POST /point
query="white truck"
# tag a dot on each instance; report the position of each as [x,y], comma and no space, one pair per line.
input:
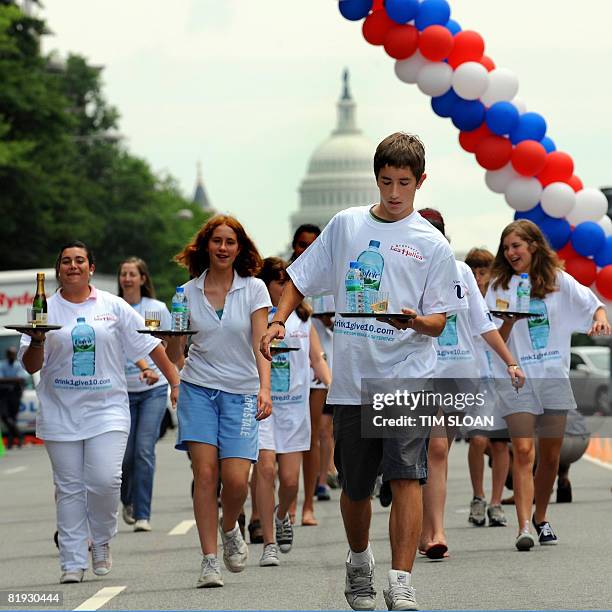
[17,289]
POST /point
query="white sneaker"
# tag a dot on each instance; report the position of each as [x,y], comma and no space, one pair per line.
[128,514]
[235,550]
[210,574]
[72,576]
[359,586]
[400,595]
[269,557]
[142,525]
[101,558]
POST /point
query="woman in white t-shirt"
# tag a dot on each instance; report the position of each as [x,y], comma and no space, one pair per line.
[286,434]
[225,383]
[84,415]
[148,393]
[559,306]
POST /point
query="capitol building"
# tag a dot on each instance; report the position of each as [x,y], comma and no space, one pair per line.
[340,171]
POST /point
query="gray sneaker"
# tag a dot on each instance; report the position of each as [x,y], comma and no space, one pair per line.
[269,557]
[72,576]
[284,532]
[400,597]
[128,514]
[477,511]
[210,574]
[496,515]
[102,561]
[235,550]
[359,586]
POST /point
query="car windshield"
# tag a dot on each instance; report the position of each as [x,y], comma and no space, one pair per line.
[601,360]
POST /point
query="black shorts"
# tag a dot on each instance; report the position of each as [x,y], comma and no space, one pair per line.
[328,409]
[359,460]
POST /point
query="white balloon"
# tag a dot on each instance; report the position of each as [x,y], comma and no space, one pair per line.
[435,78]
[520,105]
[407,70]
[498,180]
[523,193]
[503,85]
[606,224]
[558,199]
[470,80]
[591,205]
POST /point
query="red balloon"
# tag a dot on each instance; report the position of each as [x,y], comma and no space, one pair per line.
[402,41]
[493,152]
[487,62]
[469,47]
[583,270]
[604,282]
[378,4]
[529,158]
[375,27]
[559,167]
[575,183]
[567,252]
[436,43]
[469,140]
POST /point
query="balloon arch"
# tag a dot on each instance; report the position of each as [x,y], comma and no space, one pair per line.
[538,182]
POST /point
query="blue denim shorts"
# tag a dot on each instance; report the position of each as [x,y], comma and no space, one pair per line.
[224,420]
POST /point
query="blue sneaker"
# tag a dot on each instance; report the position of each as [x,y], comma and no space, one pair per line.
[546,535]
[322,493]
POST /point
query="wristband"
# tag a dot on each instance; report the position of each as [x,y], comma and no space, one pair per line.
[37,343]
[513,365]
[175,386]
[278,322]
[145,369]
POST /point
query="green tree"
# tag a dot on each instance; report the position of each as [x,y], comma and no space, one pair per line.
[64,172]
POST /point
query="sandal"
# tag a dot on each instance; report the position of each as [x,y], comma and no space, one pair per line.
[255,532]
[437,552]
[309,520]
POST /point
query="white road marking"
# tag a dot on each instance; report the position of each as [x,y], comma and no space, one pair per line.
[602,464]
[182,528]
[15,470]
[100,598]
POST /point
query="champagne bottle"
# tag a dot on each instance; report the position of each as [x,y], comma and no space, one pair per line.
[39,303]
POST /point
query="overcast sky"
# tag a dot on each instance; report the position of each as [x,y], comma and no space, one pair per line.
[249,88]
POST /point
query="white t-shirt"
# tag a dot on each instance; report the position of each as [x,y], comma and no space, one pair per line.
[542,342]
[132,371]
[323,304]
[221,353]
[419,272]
[83,393]
[455,347]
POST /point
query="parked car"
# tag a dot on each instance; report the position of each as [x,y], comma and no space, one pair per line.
[590,378]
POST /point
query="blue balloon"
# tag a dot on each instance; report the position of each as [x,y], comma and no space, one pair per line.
[453,27]
[468,114]
[587,238]
[432,12]
[502,118]
[531,126]
[354,10]
[557,231]
[444,105]
[535,214]
[402,11]
[548,144]
[603,257]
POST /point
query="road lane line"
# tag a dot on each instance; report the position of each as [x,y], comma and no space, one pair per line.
[15,470]
[100,598]
[602,464]
[182,528]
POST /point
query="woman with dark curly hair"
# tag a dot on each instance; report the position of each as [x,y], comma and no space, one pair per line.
[225,383]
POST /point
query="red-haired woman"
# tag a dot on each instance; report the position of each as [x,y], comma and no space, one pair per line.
[559,306]
[225,383]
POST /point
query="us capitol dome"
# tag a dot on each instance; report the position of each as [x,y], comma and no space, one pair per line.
[340,172]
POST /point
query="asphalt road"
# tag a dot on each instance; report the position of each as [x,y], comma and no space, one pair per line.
[158,571]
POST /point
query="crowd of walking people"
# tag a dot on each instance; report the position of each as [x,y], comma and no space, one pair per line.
[270,384]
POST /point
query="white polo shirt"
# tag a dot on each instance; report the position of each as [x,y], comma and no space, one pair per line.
[74,406]
[221,353]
